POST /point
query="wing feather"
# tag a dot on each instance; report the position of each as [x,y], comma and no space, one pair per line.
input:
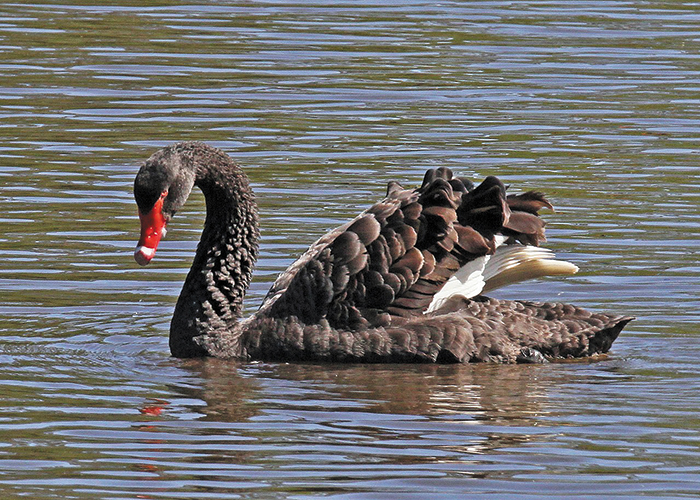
[413,251]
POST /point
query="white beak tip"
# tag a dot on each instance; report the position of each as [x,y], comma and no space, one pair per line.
[143,255]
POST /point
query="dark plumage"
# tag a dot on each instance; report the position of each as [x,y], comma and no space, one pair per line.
[375,288]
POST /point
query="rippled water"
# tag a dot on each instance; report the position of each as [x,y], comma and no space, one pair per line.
[596,103]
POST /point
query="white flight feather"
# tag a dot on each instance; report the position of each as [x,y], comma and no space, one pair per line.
[509,264]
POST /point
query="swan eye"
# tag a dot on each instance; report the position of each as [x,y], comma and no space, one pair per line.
[146,197]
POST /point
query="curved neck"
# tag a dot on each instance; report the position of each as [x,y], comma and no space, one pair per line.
[211,300]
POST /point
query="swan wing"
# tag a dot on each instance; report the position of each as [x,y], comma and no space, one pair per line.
[393,259]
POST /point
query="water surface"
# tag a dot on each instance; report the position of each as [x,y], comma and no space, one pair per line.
[594,103]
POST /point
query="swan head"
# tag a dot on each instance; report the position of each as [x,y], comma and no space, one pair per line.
[161,188]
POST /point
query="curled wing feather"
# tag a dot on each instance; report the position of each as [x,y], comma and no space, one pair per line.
[386,265]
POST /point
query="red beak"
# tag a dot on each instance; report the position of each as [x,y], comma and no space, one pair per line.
[152,230]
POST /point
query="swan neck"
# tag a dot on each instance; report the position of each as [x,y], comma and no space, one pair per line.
[211,301]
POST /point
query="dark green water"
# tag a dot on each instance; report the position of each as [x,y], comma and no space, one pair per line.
[595,103]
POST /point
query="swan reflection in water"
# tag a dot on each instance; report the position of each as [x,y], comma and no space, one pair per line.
[454,408]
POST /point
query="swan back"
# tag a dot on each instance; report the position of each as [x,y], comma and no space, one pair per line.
[407,254]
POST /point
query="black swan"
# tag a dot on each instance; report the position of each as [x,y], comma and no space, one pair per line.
[401,282]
